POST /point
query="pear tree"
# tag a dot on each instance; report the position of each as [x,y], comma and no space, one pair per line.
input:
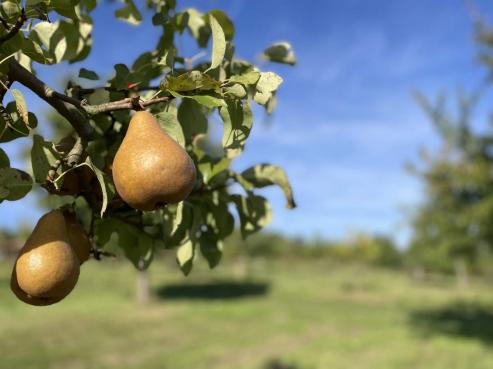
[180,93]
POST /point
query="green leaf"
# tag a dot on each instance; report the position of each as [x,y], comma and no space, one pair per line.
[4,159]
[220,221]
[181,224]
[10,10]
[218,43]
[185,255]
[211,248]
[238,121]
[20,102]
[268,82]
[280,52]
[236,90]
[197,26]
[102,182]
[254,212]
[43,157]
[266,87]
[206,100]
[15,127]
[192,118]
[64,7]
[114,235]
[210,167]
[262,175]
[168,58]
[225,22]
[190,81]
[271,103]
[262,98]
[248,78]
[169,122]
[37,10]
[121,78]
[88,74]
[129,13]
[49,43]
[14,184]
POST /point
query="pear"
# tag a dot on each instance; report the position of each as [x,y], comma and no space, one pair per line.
[21,295]
[150,169]
[79,240]
[47,268]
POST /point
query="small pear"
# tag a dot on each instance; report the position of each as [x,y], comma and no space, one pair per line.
[79,240]
[47,268]
[150,169]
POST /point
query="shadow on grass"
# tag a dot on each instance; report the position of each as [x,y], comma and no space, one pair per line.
[279,364]
[467,320]
[219,290]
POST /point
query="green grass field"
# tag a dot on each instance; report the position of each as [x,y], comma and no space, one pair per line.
[285,316]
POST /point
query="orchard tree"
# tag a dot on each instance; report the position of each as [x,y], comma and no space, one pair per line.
[164,189]
[453,228]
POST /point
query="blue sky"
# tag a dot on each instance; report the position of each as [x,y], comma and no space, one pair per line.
[346,122]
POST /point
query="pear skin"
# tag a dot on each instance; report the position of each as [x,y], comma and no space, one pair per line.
[79,240]
[24,297]
[47,266]
[150,169]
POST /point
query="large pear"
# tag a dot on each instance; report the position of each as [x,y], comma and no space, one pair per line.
[21,295]
[79,240]
[47,268]
[150,169]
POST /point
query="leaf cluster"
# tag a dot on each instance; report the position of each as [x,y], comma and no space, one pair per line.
[181,92]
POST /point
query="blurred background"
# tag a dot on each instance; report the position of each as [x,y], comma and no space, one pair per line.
[384,128]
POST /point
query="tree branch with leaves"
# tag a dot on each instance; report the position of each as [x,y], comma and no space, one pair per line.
[182,96]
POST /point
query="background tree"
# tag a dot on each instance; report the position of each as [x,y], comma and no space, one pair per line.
[181,93]
[453,228]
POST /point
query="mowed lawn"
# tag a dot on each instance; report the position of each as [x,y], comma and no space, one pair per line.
[286,315]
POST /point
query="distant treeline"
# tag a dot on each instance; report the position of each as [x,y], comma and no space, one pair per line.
[360,247]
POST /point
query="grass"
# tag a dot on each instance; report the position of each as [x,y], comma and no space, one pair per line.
[287,316]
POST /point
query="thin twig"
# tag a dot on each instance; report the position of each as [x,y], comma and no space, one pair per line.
[134,103]
[74,156]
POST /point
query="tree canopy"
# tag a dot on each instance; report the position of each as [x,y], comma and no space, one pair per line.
[183,95]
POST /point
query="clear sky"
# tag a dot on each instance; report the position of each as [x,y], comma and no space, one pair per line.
[346,122]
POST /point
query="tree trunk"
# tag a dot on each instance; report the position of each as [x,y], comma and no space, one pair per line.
[143,287]
[461,273]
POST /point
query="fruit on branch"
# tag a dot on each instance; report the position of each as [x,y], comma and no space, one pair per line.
[150,169]
[79,240]
[31,300]
[47,267]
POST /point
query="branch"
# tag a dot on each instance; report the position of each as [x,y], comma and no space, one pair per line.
[134,103]
[75,117]
[15,28]
[74,156]
[71,108]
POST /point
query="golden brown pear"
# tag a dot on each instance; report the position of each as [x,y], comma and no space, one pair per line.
[21,295]
[150,169]
[47,268]
[79,239]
